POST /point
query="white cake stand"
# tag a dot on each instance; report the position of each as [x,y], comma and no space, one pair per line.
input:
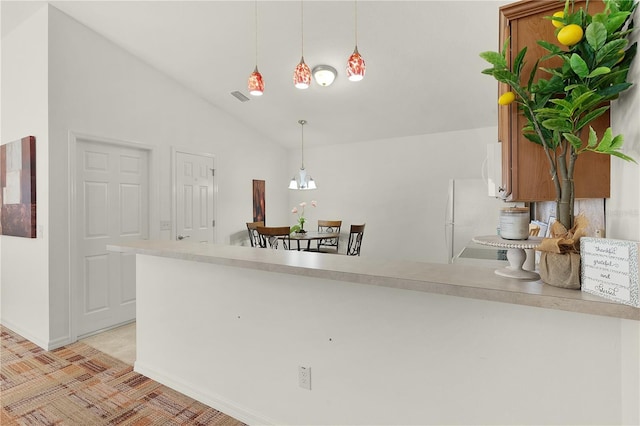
[515,255]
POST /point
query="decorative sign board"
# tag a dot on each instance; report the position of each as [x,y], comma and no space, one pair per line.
[610,269]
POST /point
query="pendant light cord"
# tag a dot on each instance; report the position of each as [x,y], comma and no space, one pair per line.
[302,26]
[256,19]
[302,123]
[355,14]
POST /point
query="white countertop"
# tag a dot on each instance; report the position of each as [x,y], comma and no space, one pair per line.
[470,281]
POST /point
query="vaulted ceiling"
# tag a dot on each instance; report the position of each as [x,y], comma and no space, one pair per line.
[423,69]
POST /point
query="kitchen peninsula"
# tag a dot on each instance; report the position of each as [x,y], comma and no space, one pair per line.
[387,342]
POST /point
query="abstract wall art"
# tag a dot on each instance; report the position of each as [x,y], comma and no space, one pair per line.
[18,188]
[258,201]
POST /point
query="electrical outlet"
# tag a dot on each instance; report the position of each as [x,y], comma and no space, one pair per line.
[165,225]
[304,377]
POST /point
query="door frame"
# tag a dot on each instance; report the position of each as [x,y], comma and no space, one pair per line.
[153,215]
[174,189]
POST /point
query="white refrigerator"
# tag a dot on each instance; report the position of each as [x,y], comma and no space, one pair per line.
[470,212]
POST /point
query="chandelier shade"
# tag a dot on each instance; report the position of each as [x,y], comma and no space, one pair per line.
[302,75]
[301,180]
[256,83]
[355,66]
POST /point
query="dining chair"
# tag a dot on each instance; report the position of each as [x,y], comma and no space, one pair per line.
[252,229]
[355,240]
[329,226]
[271,235]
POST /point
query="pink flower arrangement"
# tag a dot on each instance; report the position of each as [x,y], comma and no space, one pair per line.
[300,212]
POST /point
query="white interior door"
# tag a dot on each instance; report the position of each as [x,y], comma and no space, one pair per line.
[194,197]
[112,192]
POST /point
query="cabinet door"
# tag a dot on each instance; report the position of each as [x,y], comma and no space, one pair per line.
[525,168]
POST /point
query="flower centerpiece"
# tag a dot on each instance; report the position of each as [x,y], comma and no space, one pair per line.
[299,227]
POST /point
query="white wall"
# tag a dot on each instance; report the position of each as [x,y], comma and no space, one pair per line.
[378,355]
[95,88]
[24,264]
[623,209]
[398,187]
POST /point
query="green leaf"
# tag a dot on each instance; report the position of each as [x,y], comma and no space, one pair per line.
[622,156]
[599,71]
[616,143]
[596,35]
[611,91]
[494,58]
[579,66]
[605,142]
[615,21]
[553,48]
[532,137]
[519,61]
[563,103]
[575,141]
[611,49]
[593,138]
[557,124]
[592,115]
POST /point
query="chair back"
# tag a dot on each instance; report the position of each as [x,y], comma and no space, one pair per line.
[252,229]
[355,240]
[329,226]
[271,235]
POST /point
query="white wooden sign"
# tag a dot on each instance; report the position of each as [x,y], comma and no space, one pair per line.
[610,269]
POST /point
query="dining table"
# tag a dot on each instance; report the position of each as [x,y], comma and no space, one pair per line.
[311,236]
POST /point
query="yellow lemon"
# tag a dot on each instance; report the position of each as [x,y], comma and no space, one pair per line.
[506,98]
[570,35]
[558,14]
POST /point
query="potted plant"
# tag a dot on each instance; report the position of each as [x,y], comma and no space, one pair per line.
[595,55]
[299,227]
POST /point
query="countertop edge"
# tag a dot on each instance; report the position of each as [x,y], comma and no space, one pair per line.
[444,279]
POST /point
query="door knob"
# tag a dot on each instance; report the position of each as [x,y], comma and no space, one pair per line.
[182,237]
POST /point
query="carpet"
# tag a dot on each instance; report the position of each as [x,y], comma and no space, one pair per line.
[79,385]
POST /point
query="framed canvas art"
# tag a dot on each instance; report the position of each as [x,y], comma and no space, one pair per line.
[18,188]
[258,201]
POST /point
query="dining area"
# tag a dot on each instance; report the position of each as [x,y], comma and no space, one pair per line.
[325,239]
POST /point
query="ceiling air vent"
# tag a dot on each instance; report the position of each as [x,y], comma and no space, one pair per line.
[239,96]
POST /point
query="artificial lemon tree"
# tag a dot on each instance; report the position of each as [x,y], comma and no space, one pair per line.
[596,55]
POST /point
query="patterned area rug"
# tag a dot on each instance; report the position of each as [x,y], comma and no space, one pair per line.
[79,385]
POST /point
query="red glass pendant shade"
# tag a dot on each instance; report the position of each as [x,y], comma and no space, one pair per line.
[355,66]
[302,75]
[256,83]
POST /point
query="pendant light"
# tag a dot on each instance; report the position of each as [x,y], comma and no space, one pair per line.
[355,65]
[256,83]
[302,180]
[302,73]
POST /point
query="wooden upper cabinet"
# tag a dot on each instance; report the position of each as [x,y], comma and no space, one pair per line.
[525,168]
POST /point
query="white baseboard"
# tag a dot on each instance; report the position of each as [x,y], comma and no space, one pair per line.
[214,401]
[47,345]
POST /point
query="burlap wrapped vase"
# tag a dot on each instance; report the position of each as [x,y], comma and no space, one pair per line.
[560,255]
[560,269]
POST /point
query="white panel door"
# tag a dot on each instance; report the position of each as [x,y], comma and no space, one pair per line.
[112,187]
[194,197]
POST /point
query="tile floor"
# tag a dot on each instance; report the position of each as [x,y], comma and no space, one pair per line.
[119,342]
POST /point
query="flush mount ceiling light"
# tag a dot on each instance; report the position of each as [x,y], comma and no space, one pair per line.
[302,180]
[256,83]
[324,74]
[355,64]
[302,73]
